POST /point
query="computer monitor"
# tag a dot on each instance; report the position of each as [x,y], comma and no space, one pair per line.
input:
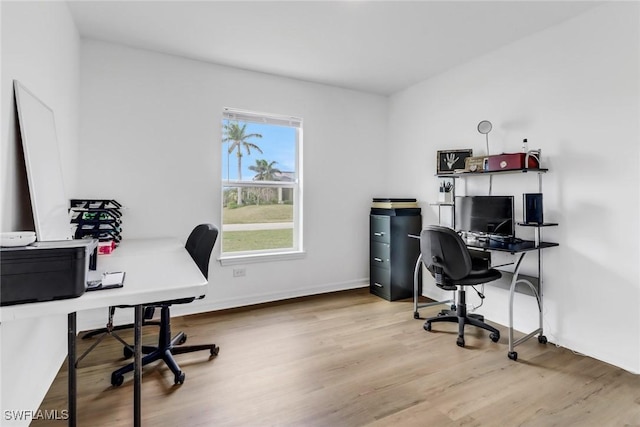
[485,215]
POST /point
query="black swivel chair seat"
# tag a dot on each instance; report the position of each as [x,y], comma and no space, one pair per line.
[199,245]
[449,262]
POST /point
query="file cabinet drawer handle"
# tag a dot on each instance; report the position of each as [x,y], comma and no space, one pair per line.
[379,234]
[377,284]
[378,259]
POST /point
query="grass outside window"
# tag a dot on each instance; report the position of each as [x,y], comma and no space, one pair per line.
[255,214]
[256,239]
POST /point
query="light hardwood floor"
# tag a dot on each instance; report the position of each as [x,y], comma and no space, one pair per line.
[351,359]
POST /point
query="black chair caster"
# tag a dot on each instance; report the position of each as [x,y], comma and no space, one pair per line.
[542,339]
[179,378]
[513,355]
[416,315]
[494,337]
[215,350]
[117,380]
[460,342]
[427,326]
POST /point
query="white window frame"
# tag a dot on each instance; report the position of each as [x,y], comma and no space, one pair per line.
[232,258]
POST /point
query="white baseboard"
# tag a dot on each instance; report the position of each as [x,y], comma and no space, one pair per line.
[94,319]
[210,304]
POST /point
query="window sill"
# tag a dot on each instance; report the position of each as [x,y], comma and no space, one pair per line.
[253,258]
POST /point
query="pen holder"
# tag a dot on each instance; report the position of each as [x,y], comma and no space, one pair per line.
[445,197]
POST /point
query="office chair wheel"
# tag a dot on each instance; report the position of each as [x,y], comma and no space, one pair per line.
[542,339]
[179,378]
[427,326]
[416,315]
[183,339]
[494,337]
[127,352]
[117,380]
[513,355]
[215,350]
[453,307]
[460,342]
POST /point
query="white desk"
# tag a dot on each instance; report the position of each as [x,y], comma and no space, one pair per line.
[156,270]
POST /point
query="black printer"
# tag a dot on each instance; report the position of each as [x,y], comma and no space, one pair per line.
[45,271]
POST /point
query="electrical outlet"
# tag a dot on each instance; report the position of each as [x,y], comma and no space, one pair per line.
[239,272]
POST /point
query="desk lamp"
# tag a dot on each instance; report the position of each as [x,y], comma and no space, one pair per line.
[485,127]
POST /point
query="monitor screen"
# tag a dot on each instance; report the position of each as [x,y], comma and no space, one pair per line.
[491,215]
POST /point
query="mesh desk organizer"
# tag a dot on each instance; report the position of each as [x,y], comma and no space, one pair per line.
[99,219]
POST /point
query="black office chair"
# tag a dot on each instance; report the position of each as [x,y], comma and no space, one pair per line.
[199,245]
[449,262]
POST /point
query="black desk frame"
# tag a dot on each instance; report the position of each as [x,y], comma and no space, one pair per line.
[520,248]
[416,288]
[137,372]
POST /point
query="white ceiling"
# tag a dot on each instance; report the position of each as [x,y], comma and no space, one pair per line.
[374,46]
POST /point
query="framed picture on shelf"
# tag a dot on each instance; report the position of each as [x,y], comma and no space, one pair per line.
[450,160]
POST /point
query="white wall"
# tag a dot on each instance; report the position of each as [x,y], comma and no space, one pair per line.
[150,128]
[40,48]
[572,90]
[151,131]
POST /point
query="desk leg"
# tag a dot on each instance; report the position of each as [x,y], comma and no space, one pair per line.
[71,358]
[512,288]
[416,278]
[416,285]
[541,338]
[137,366]
[512,354]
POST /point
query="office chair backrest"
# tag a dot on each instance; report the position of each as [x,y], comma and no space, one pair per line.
[441,247]
[200,244]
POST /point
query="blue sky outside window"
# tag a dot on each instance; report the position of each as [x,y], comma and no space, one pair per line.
[278,143]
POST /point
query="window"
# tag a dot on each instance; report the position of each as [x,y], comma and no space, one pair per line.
[261,185]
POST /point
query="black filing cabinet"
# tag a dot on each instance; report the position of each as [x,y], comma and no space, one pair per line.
[393,253]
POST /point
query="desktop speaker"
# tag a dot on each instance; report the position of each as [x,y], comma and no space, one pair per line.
[532,208]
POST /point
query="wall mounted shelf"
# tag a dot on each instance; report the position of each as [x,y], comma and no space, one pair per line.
[487,173]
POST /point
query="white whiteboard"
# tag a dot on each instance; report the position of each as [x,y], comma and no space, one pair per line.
[44,170]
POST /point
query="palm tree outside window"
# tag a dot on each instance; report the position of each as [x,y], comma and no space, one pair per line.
[237,138]
[261,184]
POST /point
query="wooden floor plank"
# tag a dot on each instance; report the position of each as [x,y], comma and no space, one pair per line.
[350,359]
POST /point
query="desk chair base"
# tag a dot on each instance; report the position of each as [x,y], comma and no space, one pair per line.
[109,330]
[166,349]
[462,318]
[148,314]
